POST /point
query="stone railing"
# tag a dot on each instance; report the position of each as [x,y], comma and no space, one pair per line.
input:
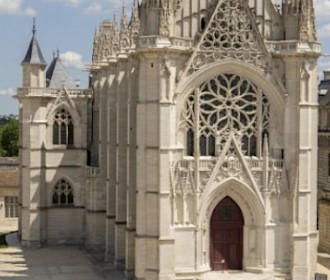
[292,46]
[158,41]
[92,172]
[41,92]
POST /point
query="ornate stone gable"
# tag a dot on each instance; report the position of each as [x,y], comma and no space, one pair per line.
[63,98]
[230,33]
[232,164]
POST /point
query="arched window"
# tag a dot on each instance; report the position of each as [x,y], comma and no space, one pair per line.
[63,193]
[227,104]
[63,129]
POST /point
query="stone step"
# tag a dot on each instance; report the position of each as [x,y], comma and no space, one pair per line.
[236,275]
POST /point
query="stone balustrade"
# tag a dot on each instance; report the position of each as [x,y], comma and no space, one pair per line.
[158,41]
[292,46]
[38,92]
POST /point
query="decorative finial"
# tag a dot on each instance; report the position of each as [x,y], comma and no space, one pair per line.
[34,30]
[115,19]
[123,16]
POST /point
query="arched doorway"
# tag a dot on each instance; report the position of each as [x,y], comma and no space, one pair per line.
[226,248]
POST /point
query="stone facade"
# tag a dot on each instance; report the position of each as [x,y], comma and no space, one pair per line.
[9,194]
[193,102]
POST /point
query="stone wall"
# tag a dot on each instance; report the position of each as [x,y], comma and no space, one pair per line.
[324,225]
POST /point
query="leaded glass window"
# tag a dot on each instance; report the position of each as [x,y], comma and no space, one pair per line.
[223,105]
[63,193]
[63,129]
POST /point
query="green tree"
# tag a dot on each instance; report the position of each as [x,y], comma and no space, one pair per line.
[9,139]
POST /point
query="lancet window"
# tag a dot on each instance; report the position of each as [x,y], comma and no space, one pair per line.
[63,193]
[223,105]
[63,128]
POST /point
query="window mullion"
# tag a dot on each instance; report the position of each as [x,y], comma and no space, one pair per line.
[259,123]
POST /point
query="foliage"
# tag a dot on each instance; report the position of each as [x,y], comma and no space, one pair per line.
[4,119]
[3,243]
[9,139]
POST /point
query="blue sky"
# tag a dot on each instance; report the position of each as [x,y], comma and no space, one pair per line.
[65,24]
[69,25]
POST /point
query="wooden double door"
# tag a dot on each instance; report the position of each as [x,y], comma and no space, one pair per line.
[226,248]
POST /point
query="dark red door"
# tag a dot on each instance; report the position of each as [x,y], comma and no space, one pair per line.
[226,236]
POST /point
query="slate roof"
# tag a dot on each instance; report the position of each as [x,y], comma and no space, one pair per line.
[57,76]
[34,54]
[324,92]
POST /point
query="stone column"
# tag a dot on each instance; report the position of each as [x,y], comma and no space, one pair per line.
[147,219]
[167,132]
[33,231]
[122,91]
[301,156]
[111,159]
[131,166]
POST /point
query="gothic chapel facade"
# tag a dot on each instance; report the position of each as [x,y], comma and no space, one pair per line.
[195,149]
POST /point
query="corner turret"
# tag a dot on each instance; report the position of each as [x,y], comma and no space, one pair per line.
[34,64]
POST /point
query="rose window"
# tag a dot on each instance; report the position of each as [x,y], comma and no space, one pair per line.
[223,105]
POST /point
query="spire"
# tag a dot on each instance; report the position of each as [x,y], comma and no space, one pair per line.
[34,54]
[135,23]
[307,28]
[123,16]
[135,13]
[115,22]
[34,30]
[124,33]
[299,18]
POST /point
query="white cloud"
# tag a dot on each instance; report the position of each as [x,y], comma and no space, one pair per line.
[94,9]
[30,12]
[324,31]
[8,91]
[15,7]
[73,60]
[324,63]
[67,2]
[322,8]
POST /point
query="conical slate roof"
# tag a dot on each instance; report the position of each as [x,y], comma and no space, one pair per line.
[57,76]
[34,54]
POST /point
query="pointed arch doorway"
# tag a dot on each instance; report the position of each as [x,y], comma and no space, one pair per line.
[226,248]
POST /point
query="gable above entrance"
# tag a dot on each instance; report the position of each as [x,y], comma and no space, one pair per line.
[232,35]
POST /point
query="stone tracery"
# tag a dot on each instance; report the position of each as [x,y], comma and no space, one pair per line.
[227,104]
[230,34]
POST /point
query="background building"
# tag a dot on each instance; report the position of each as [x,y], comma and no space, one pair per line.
[9,193]
[324,163]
